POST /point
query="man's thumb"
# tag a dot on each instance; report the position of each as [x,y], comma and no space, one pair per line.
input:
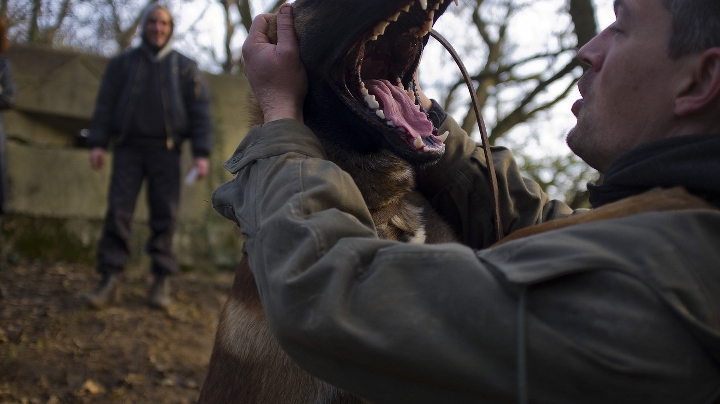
[285,25]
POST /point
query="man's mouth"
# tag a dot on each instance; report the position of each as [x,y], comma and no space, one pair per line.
[577,106]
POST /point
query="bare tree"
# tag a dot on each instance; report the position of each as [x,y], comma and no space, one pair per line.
[515,88]
[52,13]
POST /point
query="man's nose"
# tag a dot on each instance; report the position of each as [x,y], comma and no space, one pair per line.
[593,53]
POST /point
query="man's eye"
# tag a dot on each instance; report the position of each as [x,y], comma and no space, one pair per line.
[615,29]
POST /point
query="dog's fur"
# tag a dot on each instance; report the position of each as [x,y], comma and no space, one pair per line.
[247,364]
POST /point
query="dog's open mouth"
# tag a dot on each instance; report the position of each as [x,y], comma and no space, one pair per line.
[376,78]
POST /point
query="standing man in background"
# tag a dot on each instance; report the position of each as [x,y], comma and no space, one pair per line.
[151,99]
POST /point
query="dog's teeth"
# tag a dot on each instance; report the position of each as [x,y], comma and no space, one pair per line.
[406,8]
[371,101]
[427,26]
[390,123]
[442,137]
[423,4]
[380,28]
[395,16]
[437,5]
[373,38]
[380,113]
[418,143]
[364,90]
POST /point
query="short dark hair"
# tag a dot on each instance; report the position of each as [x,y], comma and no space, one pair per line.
[695,26]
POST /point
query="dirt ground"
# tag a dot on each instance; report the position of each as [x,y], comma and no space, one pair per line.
[54,350]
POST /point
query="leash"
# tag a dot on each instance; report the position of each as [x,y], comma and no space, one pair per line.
[483,134]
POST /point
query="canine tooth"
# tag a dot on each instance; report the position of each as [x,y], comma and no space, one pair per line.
[418,143]
[380,113]
[423,4]
[443,137]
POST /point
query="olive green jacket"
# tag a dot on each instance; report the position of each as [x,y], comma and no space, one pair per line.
[619,311]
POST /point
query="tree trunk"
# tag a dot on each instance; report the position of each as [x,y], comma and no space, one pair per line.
[583,17]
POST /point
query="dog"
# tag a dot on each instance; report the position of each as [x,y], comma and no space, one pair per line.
[361,58]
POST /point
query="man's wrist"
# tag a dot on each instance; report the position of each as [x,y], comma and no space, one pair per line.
[284,113]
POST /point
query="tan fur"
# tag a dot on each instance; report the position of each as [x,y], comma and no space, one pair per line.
[656,200]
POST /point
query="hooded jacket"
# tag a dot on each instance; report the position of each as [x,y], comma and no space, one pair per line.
[184,97]
[623,310]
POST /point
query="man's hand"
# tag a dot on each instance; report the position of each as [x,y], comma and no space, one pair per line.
[275,72]
[202,165]
[97,158]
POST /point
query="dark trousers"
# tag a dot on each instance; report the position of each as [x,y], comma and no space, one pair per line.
[161,168]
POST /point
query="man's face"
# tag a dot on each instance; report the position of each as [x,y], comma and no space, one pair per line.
[628,91]
[158,27]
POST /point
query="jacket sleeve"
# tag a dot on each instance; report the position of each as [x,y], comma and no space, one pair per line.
[7,87]
[106,104]
[416,323]
[459,189]
[197,103]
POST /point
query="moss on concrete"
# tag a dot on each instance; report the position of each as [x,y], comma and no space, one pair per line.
[44,239]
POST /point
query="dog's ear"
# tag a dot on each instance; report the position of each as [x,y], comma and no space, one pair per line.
[272,28]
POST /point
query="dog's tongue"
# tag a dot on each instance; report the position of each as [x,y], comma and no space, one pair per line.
[399,108]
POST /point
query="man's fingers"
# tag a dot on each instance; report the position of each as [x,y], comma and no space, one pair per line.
[258,30]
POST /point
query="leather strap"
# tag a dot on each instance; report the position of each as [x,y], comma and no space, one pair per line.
[483,134]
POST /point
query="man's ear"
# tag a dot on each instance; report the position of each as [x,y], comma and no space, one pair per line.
[703,88]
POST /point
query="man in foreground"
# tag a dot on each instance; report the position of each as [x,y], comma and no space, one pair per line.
[623,308]
[150,100]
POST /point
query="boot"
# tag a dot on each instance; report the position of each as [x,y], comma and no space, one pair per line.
[159,297]
[106,292]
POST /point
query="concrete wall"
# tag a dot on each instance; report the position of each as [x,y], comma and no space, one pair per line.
[57,201]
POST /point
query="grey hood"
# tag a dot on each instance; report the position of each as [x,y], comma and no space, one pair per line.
[165,50]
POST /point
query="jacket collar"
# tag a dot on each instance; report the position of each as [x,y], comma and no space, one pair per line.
[689,161]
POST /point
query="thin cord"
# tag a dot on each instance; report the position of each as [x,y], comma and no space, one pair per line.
[483,134]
